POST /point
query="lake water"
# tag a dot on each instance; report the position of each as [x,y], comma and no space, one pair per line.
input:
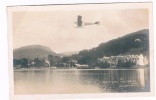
[61,81]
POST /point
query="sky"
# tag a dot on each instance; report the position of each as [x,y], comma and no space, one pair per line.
[57,30]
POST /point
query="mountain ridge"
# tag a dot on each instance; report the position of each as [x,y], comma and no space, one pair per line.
[132,43]
[32,51]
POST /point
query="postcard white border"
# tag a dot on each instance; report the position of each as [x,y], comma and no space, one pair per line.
[77,7]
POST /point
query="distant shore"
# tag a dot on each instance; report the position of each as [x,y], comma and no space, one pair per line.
[114,68]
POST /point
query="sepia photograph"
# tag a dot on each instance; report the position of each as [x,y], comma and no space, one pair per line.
[81,49]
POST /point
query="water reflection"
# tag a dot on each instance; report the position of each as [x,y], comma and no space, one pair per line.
[81,81]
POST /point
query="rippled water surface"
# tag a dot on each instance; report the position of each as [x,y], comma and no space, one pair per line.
[46,81]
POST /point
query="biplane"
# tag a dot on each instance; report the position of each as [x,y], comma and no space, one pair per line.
[80,22]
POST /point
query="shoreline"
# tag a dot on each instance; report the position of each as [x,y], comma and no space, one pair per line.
[120,68]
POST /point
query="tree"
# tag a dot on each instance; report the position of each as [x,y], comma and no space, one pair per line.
[37,62]
[51,59]
[16,62]
[24,62]
[65,59]
[103,64]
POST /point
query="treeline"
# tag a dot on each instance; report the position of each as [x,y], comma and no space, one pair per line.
[27,63]
[138,41]
[132,42]
[44,62]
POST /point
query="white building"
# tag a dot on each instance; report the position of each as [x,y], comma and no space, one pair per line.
[142,60]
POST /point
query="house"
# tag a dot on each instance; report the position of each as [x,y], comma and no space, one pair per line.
[124,60]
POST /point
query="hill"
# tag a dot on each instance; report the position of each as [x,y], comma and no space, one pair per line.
[32,51]
[133,43]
